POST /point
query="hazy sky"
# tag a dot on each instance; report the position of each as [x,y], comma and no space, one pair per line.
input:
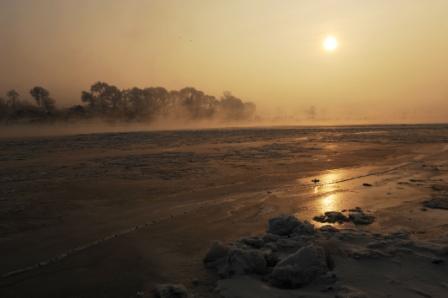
[392,62]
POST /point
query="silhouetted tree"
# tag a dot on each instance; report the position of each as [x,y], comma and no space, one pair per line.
[13,98]
[87,98]
[103,98]
[146,103]
[135,102]
[232,107]
[3,108]
[76,112]
[157,100]
[48,104]
[39,93]
[43,99]
[198,104]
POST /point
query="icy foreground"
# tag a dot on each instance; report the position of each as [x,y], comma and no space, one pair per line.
[117,215]
[294,259]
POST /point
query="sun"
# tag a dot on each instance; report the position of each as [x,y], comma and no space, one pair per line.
[330,43]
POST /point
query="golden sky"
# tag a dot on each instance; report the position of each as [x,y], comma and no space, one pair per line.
[391,63]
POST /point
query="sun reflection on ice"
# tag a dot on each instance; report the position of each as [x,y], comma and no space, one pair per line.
[327,182]
[335,190]
[331,202]
[331,177]
[327,190]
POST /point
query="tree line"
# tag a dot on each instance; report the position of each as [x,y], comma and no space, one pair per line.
[108,102]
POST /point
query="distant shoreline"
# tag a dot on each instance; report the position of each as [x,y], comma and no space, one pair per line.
[97,127]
